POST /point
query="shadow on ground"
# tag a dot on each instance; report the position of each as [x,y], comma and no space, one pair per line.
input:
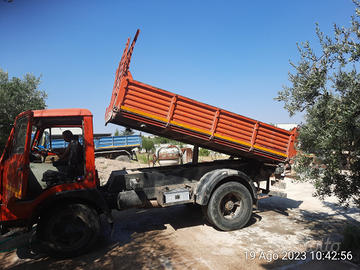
[137,242]
[140,241]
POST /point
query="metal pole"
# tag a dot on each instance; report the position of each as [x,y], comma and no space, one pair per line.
[195,158]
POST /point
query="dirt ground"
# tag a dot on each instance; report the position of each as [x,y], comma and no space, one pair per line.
[179,237]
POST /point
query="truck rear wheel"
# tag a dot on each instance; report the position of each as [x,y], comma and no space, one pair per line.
[230,206]
[204,209]
[123,158]
[68,231]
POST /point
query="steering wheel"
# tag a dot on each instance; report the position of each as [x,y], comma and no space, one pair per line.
[43,151]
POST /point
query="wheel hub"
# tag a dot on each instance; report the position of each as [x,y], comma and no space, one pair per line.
[229,205]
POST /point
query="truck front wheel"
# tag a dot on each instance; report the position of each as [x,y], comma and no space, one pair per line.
[230,206]
[68,231]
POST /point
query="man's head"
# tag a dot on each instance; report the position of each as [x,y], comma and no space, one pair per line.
[67,135]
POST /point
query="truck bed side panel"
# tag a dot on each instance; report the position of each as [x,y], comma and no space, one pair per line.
[163,113]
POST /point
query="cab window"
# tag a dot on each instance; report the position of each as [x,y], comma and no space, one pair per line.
[18,145]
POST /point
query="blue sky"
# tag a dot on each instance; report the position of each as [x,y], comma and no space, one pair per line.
[230,54]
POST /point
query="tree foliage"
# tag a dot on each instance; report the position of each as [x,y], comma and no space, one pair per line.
[162,140]
[124,132]
[16,96]
[117,132]
[326,87]
[147,143]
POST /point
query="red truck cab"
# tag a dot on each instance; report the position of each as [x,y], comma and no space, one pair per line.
[31,189]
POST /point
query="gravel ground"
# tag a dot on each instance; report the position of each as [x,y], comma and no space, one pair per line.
[178,237]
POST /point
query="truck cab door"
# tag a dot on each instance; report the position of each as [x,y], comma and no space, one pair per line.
[15,163]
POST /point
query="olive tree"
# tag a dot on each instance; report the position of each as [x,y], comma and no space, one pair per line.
[147,143]
[326,87]
[17,95]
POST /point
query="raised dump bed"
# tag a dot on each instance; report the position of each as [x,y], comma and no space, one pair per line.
[153,110]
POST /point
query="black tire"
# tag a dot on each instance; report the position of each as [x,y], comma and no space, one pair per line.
[68,231]
[230,206]
[204,209]
[123,158]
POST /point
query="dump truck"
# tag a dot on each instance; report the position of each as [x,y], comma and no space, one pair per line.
[120,148]
[65,201]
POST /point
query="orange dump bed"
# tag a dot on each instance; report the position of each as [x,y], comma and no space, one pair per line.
[153,110]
